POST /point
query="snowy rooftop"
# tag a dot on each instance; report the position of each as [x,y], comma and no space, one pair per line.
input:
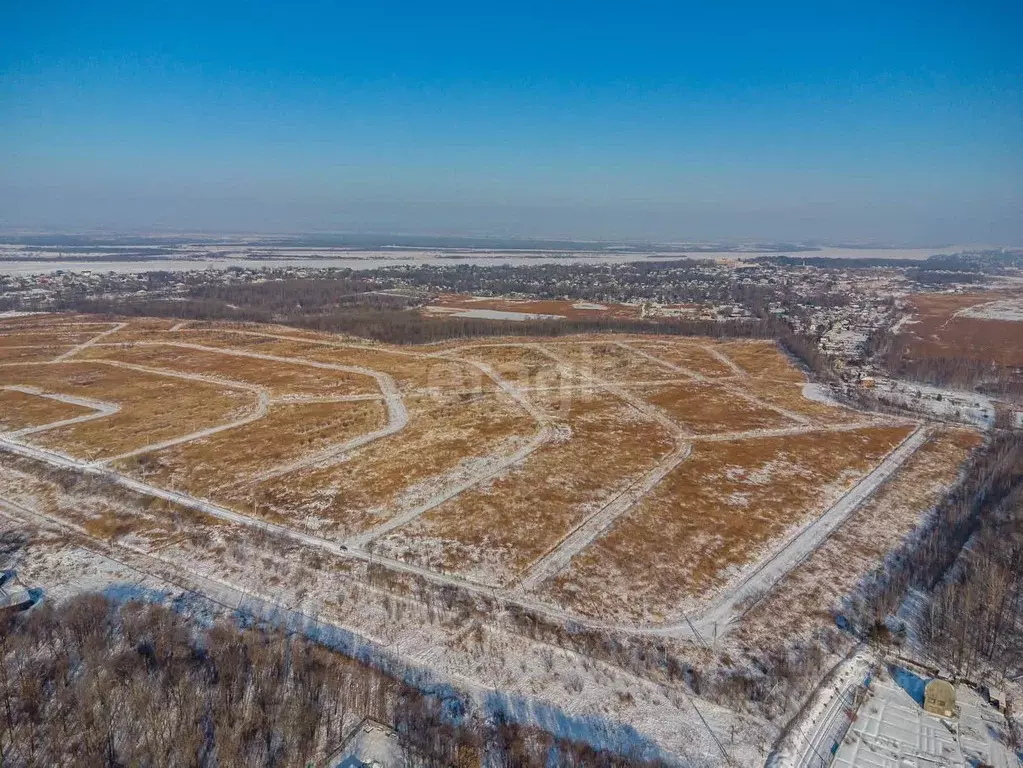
[892,730]
[370,744]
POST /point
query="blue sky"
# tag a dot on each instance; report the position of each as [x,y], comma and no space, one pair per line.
[872,121]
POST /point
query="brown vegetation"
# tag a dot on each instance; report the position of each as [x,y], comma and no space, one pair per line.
[494,531]
[214,466]
[807,596]
[153,407]
[376,482]
[19,410]
[280,378]
[761,359]
[688,355]
[712,515]
[707,408]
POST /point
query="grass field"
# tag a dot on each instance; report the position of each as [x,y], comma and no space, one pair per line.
[620,478]
[19,410]
[715,513]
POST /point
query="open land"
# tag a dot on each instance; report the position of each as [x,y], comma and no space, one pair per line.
[644,485]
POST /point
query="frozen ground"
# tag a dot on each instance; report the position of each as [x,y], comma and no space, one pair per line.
[938,402]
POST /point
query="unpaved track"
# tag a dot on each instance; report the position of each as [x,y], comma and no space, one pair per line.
[85,345]
[100,409]
[648,410]
[737,391]
[590,529]
[723,358]
[690,627]
[732,604]
[543,436]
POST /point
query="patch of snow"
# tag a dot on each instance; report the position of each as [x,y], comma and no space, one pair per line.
[498,314]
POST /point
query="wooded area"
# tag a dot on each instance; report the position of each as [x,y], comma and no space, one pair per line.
[90,682]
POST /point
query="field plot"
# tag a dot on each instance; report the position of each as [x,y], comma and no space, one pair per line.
[761,359]
[690,356]
[491,533]
[521,365]
[612,361]
[281,379]
[153,407]
[713,515]
[31,354]
[706,409]
[211,466]
[448,438]
[809,594]
[410,370]
[20,410]
[41,338]
[618,478]
[789,396]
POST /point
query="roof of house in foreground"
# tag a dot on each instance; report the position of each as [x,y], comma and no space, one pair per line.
[892,730]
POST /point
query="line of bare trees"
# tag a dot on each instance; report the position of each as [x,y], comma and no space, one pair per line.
[91,682]
[969,561]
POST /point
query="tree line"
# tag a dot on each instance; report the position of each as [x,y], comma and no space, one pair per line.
[91,682]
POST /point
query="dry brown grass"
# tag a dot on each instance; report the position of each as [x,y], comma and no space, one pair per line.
[33,355]
[707,408]
[153,408]
[688,355]
[806,597]
[210,466]
[493,532]
[611,362]
[522,366]
[281,379]
[19,410]
[761,359]
[937,332]
[143,329]
[41,338]
[716,512]
[789,395]
[398,472]
[410,371]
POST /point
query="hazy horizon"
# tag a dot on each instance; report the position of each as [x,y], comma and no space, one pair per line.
[658,122]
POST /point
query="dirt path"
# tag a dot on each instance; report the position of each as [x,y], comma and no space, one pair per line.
[85,345]
[732,604]
[721,357]
[543,436]
[100,409]
[590,529]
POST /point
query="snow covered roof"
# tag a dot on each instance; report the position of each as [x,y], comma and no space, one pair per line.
[892,730]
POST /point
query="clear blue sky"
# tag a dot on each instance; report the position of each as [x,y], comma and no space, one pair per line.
[882,121]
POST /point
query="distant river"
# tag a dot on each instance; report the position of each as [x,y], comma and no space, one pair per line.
[377,259]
